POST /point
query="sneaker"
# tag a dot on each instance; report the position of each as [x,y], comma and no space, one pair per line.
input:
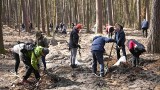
[74,66]
[102,75]
[96,74]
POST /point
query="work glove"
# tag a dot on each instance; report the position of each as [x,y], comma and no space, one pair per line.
[79,46]
[69,48]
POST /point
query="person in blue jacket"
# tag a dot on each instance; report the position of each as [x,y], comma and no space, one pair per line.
[97,50]
[145,26]
[120,40]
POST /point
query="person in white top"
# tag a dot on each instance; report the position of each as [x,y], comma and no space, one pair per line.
[17,54]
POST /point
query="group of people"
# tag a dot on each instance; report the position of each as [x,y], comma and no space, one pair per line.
[61,28]
[30,52]
[39,50]
[97,47]
[144,27]
[23,26]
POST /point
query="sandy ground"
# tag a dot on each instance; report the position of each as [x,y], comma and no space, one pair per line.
[60,76]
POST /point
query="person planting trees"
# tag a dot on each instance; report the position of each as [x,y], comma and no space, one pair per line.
[73,44]
[109,30]
[42,41]
[17,54]
[31,58]
[97,50]
[136,50]
[120,40]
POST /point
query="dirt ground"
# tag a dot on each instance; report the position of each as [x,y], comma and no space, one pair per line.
[60,76]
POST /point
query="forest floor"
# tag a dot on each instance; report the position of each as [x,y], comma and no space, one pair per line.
[60,76]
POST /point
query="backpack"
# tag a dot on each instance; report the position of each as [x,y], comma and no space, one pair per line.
[28,47]
[140,47]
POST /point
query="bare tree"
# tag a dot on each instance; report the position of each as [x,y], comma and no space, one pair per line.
[138,14]
[154,38]
[99,16]
[87,16]
[25,15]
[109,9]
[47,17]
[126,11]
[43,16]
[1,34]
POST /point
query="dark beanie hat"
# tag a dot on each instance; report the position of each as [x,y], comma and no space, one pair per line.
[45,51]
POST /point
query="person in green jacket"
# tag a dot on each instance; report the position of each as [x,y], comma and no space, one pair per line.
[31,61]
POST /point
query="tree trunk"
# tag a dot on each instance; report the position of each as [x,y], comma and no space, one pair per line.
[47,17]
[75,11]
[147,10]
[99,16]
[87,16]
[38,17]
[154,38]
[1,33]
[126,12]
[25,15]
[70,12]
[83,3]
[43,16]
[139,14]
[109,9]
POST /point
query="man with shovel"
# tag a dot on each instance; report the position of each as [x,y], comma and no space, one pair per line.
[73,44]
[97,50]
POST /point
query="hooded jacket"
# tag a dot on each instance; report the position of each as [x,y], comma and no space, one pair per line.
[145,24]
[99,42]
[35,56]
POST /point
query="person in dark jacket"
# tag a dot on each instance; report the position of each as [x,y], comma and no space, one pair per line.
[64,31]
[73,44]
[72,25]
[23,26]
[120,40]
[51,26]
[42,41]
[97,50]
[61,26]
[57,27]
[30,26]
[145,26]
[136,50]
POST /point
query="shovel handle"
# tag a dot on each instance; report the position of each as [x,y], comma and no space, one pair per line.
[79,52]
[111,50]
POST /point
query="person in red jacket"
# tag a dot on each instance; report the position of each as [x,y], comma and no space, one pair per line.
[109,30]
[136,50]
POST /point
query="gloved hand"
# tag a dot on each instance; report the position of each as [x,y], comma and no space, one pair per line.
[120,47]
[79,46]
[114,40]
[69,48]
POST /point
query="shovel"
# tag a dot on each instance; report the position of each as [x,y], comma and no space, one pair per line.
[106,67]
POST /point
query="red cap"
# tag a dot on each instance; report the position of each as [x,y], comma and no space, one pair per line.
[79,26]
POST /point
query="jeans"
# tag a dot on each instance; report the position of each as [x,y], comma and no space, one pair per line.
[145,31]
[73,55]
[97,57]
[16,56]
[123,51]
[30,69]
[44,61]
[135,56]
